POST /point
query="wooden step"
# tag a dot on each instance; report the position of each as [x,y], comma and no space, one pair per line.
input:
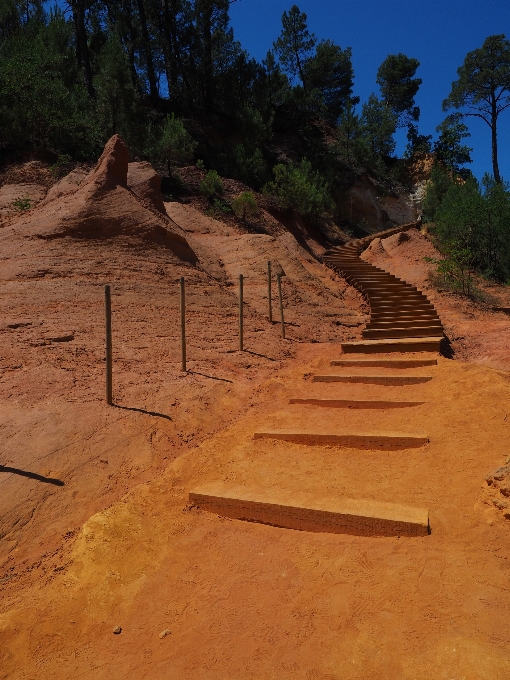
[304,511]
[356,403]
[394,299]
[393,345]
[375,379]
[404,316]
[379,306]
[355,440]
[410,332]
[391,363]
[403,323]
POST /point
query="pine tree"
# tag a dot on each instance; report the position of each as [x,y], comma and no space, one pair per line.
[295,44]
[483,87]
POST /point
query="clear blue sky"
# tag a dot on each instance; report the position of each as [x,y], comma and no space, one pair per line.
[439,33]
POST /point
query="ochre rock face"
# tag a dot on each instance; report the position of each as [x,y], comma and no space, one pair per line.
[145,182]
[103,206]
[112,167]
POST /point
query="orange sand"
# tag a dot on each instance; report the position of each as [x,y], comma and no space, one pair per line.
[247,600]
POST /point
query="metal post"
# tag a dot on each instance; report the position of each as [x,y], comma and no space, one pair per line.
[269,291]
[108,329]
[279,281]
[241,320]
[183,322]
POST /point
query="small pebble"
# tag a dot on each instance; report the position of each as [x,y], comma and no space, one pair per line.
[117,630]
[164,633]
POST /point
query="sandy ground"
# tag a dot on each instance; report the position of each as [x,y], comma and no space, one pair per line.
[252,601]
[96,530]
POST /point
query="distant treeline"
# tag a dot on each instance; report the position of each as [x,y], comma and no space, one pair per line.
[70,79]
[169,76]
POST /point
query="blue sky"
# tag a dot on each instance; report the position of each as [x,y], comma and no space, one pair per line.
[439,33]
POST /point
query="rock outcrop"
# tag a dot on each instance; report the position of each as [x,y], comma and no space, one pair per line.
[103,206]
[145,182]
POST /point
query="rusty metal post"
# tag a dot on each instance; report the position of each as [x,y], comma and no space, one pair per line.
[182,305]
[279,282]
[269,291]
[241,310]
[108,333]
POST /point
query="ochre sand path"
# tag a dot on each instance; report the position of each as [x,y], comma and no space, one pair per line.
[247,600]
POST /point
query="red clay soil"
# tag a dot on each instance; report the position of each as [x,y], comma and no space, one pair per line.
[96,528]
[476,333]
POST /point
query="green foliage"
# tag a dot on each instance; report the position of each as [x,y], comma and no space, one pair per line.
[62,165]
[378,125]
[200,164]
[483,87]
[21,204]
[116,96]
[273,85]
[221,205]
[455,267]
[449,148]
[248,165]
[43,103]
[395,77]
[477,219]
[330,72]
[300,188]
[245,205]
[175,145]
[416,143]
[437,186]
[349,138]
[294,44]
[211,185]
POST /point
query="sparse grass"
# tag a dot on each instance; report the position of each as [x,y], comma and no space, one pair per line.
[21,204]
[476,294]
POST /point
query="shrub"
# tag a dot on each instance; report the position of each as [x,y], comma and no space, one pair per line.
[176,146]
[245,205]
[300,188]
[211,185]
[62,166]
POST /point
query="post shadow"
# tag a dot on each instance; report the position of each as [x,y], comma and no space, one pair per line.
[142,410]
[212,377]
[31,475]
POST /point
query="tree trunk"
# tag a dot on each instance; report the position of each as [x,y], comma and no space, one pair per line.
[494,119]
[151,74]
[208,67]
[130,40]
[173,62]
[300,69]
[168,49]
[82,48]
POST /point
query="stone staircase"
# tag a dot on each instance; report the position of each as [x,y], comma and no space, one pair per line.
[400,315]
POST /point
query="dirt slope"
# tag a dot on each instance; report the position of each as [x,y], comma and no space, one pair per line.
[54,424]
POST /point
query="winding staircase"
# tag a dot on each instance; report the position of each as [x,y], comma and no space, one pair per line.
[402,319]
